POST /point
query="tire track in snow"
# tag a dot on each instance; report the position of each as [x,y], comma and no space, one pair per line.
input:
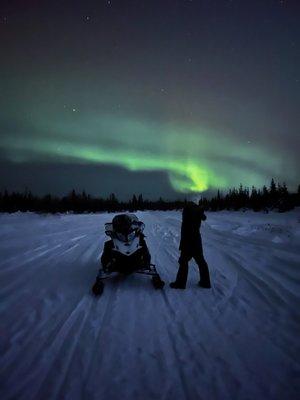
[64,369]
[172,325]
[180,327]
[66,248]
[26,389]
[236,305]
[32,258]
[24,254]
[15,283]
[190,333]
[262,287]
[94,364]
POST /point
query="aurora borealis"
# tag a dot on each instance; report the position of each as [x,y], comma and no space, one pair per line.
[205,93]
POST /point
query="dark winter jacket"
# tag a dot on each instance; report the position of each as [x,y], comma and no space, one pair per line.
[192,215]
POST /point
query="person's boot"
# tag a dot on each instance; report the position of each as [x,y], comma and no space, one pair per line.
[204,284]
[177,285]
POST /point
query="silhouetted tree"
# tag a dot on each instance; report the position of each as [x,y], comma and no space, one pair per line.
[277,197]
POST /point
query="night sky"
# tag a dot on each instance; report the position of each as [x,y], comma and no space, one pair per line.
[165,97]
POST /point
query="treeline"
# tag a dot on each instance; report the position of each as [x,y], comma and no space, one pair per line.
[80,203]
[274,197]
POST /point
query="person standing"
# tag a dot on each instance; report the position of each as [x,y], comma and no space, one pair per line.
[191,247]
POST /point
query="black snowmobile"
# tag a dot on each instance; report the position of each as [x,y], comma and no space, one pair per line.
[126,252]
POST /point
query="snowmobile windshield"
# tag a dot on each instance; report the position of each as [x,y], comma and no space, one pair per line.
[126,227]
[121,223]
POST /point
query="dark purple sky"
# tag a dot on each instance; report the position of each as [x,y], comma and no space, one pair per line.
[161,97]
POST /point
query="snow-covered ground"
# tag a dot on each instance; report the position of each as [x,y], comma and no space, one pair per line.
[239,340]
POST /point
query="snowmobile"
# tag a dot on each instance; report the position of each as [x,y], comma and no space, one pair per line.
[126,252]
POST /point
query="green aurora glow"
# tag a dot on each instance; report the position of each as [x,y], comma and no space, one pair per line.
[193,158]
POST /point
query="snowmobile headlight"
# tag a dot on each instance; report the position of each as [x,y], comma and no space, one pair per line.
[126,238]
[131,236]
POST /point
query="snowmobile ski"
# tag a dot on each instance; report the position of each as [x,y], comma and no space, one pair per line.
[98,287]
[157,282]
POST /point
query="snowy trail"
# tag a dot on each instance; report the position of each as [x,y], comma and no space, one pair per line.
[239,340]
